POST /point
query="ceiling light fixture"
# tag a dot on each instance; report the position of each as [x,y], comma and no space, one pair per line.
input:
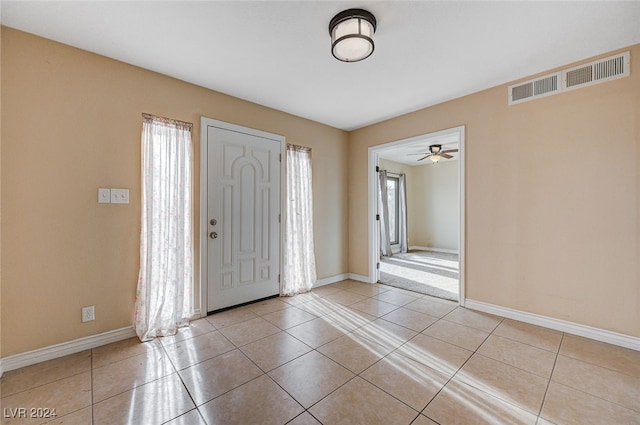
[352,35]
[435,153]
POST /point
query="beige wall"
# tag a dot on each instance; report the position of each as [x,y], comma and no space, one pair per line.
[432,203]
[552,198]
[435,205]
[72,123]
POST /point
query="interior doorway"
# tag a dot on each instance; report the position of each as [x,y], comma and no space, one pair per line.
[431,258]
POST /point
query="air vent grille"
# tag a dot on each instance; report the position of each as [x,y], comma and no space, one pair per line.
[522,91]
[579,76]
[545,85]
[607,69]
[539,87]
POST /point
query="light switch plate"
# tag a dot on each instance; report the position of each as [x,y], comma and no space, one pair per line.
[119,196]
[104,196]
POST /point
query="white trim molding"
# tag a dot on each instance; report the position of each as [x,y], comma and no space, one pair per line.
[331,279]
[360,278]
[373,155]
[51,352]
[602,335]
[430,248]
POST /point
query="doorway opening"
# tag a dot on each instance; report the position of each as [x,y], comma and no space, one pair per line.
[430,259]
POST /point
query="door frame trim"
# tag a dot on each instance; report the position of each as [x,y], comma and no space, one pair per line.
[205,123]
[373,232]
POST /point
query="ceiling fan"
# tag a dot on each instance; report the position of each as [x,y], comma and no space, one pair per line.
[436,153]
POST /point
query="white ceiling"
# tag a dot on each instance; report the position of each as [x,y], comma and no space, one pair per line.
[278,53]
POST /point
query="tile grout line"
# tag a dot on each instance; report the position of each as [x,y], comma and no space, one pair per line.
[126,390]
[520,342]
[515,367]
[597,365]
[399,354]
[526,343]
[264,373]
[306,409]
[177,372]
[419,412]
[588,393]
[334,361]
[253,379]
[456,372]
[92,390]
[40,385]
[90,371]
[544,398]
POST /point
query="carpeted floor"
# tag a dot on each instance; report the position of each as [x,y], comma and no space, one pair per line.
[426,272]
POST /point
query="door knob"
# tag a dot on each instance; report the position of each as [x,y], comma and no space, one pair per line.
[213,235]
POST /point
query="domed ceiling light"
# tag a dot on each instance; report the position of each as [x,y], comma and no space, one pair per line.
[352,35]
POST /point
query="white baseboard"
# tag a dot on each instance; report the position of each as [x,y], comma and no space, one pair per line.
[340,278]
[603,335]
[430,248]
[29,358]
[359,278]
[331,279]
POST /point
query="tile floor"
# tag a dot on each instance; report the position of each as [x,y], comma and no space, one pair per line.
[347,353]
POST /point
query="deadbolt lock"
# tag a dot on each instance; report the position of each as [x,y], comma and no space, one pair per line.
[213,235]
[213,221]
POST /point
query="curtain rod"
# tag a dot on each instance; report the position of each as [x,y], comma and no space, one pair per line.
[151,118]
[390,172]
[298,148]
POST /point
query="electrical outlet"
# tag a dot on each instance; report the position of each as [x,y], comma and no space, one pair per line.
[88,313]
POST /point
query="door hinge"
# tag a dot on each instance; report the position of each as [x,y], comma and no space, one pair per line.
[377,217]
[278,278]
[279,218]
[378,266]
[280,157]
[377,169]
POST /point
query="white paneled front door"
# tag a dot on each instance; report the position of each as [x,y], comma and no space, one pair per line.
[243,215]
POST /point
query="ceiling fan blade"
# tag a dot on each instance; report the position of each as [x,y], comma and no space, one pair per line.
[446,155]
[450,150]
[424,157]
[421,153]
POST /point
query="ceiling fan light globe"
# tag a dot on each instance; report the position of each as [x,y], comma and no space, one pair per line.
[435,158]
